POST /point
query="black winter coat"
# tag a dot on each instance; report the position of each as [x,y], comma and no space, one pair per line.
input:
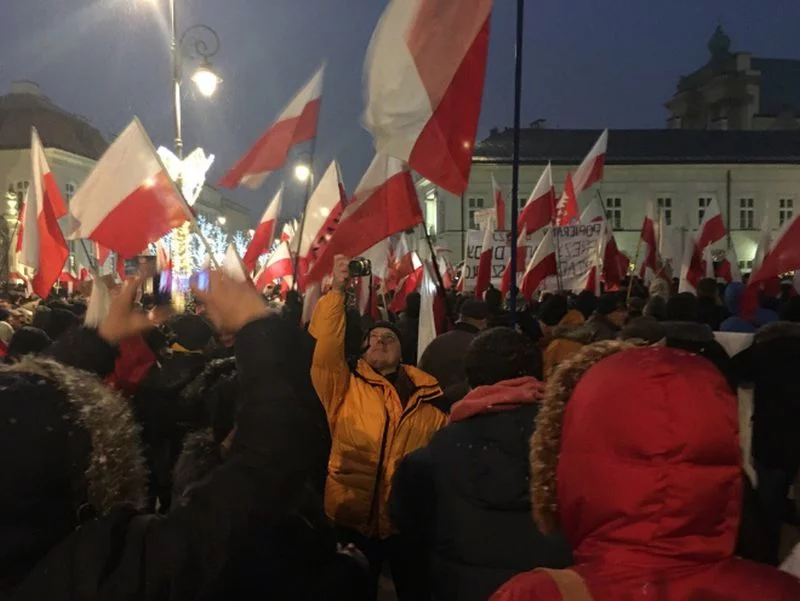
[278,458]
[466,497]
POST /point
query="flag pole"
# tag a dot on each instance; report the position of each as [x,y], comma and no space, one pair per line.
[512,305]
[302,226]
[635,262]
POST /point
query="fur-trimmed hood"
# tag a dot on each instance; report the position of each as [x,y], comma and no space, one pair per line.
[115,472]
[778,329]
[636,457]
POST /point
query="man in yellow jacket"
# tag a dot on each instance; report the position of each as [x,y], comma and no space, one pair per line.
[378,413]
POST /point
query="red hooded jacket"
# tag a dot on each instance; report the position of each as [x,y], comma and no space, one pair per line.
[649,487]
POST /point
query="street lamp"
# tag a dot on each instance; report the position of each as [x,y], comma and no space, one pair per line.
[206,79]
[222,220]
[302,172]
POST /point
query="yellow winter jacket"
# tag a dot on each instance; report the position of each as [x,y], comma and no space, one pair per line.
[371,432]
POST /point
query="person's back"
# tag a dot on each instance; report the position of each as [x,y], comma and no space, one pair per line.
[636,457]
[467,495]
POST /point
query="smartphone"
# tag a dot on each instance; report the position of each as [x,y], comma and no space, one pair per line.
[153,283]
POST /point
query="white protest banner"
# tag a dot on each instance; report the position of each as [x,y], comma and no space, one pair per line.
[579,248]
[500,257]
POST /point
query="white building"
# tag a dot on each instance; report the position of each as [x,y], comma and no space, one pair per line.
[753,175]
[72,146]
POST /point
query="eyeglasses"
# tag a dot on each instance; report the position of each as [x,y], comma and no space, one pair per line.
[383,339]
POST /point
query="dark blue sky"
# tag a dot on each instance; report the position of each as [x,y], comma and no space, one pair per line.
[587,63]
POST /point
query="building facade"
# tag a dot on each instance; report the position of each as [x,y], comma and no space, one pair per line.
[72,146]
[754,176]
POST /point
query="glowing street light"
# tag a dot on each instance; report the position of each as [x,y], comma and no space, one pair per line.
[302,172]
[206,79]
[222,220]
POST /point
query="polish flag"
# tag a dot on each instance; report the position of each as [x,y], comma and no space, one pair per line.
[695,266]
[783,255]
[484,276]
[262,237]
[499,204]
[432,310]
[728,269]
[649,244]
[384,203]
[712,229]
[43,248]
[279,265]
[407,285]
[535,216]
[538,210]
[592,168]
[541,266]
[128,201]
[567,207]
[287,233]
[615,262]
[764,244]
[424,77]
[401,262]
[323,211]
[296,124]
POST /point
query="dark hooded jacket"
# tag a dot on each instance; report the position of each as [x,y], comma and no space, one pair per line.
[636,456]
[465,497]
[278,455]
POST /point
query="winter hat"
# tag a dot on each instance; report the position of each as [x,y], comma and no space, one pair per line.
[648,329]
[553,309]
[474,308]
[28,341]
[500,354]
[608,303]
[388,325]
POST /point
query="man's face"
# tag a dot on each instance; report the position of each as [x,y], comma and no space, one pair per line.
[383,353]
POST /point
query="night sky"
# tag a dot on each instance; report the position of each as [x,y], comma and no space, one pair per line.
[587,64]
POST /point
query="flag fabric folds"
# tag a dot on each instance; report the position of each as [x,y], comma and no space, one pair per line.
[296,124]
[128,201]
[43,248]
[499,204]
[263,234]
[424,76]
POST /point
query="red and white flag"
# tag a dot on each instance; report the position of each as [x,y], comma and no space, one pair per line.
[128,201]
[536,215]
[499,205]
[43,248]
[648,251]
[233,266]
[287,232]
[424,77]
[541,266]
[263,234]
[728,269]
[323,210]
[401,262]
[431,310]
[384,203]
[783,255]
[695,266]
[484,276]
[296,124]
[538,210]
[712,229]
[567,206]
[278,266]
[615,262]
[407,285]
[592,168]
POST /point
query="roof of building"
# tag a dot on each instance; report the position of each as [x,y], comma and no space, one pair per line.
[780,85]
[643,146]
[26,107]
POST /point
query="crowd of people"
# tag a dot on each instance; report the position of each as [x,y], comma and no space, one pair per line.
[637,445]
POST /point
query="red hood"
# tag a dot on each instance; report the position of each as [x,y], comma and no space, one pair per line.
[649,471]
[502,396]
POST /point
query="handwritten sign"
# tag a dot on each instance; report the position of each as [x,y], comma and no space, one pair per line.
[501,255]
[580,248]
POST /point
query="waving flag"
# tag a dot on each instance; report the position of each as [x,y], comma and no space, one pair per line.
[541,266]
[712,229]
[424,76]
[499,204]
[649,245]
[592,168]
[567,206]
[43,248]
[384,203]
[296,124]
[279,265]
[484,276]
[128,201]
[262,237]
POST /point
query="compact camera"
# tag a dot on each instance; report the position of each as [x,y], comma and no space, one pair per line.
[359,267]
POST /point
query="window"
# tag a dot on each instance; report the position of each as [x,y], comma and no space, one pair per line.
[702,204]
[745,265]
[474,203]
[665,208]
[746,214]
[614,212]
[69,191]
[18,190]
[785,210]
[431,211]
